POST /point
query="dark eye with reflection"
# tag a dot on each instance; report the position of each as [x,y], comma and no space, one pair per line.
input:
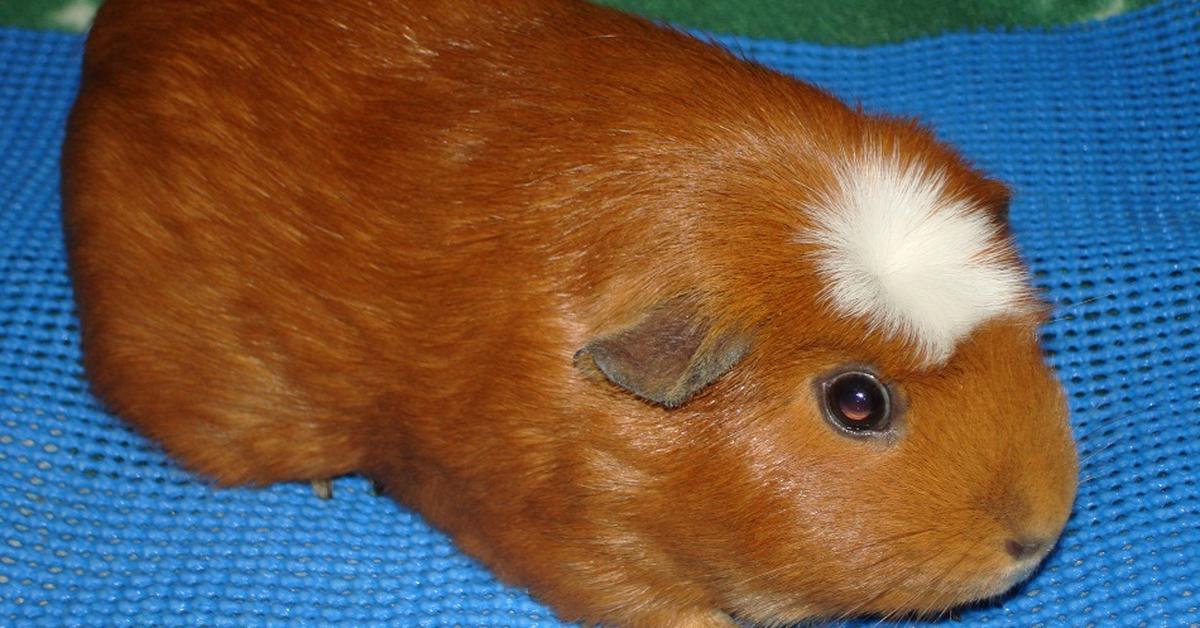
[858,402]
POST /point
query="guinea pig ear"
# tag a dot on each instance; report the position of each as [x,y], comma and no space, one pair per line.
[666,357]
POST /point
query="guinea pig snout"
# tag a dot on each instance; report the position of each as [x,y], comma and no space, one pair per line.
[1031,515]
[1026,532]
[1026,547]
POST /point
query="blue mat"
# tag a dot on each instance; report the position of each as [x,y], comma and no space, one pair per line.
[1097,127]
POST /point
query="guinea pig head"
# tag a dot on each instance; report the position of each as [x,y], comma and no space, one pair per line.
[854,412]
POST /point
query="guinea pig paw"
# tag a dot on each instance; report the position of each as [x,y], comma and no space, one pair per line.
[323,489]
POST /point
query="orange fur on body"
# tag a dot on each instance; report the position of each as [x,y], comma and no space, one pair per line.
[310,239]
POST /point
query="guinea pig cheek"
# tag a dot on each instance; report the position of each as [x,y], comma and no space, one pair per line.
[993,469]
[842,522]
[898,521]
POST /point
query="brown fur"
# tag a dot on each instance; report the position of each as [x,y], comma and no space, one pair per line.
[314,238]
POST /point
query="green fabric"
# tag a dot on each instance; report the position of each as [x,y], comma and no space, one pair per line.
[863,22]
[63,15]
[855,22]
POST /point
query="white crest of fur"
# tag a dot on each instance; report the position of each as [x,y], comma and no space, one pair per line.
[896,249]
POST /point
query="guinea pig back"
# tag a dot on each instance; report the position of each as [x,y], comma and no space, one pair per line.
[662,335]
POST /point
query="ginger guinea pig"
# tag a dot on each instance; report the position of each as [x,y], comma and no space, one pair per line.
[660,334]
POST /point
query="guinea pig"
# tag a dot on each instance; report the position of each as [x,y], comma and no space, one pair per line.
[664,336]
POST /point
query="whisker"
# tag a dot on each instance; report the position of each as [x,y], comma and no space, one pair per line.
[1069,307]
[884,590]
[855,550]
[1100,425]
[941,580]
[900,608]
[938,584]
[1091,455]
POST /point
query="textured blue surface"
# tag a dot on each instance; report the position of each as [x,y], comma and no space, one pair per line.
[1098,128]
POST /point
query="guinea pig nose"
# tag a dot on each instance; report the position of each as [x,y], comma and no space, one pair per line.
[1022,548]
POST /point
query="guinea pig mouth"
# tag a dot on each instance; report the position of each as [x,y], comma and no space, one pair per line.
[969,590]
[997,584]
[1017,574]
[911,601]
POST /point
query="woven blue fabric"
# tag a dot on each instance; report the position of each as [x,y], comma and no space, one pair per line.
[1098,128]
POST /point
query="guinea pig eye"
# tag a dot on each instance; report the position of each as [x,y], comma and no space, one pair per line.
[858,402]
